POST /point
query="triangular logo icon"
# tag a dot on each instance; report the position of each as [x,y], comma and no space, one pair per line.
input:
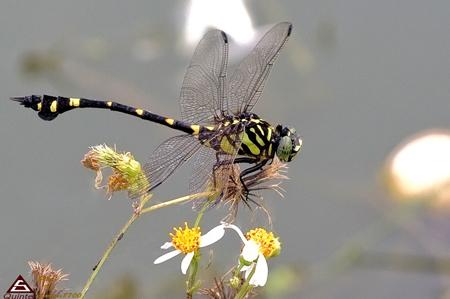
[20,286]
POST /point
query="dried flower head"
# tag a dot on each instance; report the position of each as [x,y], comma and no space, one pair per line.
[127,173]
[222,290]
[45,279]
[230,190]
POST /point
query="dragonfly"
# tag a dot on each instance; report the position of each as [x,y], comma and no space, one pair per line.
[217,124]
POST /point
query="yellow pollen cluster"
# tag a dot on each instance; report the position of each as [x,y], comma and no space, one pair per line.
[269,246]
[186,239]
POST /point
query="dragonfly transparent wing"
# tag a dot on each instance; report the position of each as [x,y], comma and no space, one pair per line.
[167,157]
[247,82]
[203,91]
[203,165]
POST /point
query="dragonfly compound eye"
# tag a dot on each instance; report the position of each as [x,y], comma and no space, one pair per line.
[284,149]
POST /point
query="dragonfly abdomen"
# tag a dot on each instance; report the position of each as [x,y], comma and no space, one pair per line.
[49,107]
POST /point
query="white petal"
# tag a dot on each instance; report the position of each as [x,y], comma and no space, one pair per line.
[166,256]
[250,251]
[236,229]
[186,262]
[259,278]
[212,236]
[166,245]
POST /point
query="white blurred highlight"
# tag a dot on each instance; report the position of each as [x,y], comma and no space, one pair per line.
[421,166]
[230,16]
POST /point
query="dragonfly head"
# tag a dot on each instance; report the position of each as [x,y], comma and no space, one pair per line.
[289,143]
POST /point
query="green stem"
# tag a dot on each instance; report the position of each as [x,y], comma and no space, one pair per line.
[200,214]
[176,201]
[193,268]
[246,287]
[237,270]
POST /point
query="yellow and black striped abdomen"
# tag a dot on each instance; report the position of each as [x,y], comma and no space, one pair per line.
[49,107]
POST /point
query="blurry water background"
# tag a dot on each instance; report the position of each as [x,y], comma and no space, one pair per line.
[356,78]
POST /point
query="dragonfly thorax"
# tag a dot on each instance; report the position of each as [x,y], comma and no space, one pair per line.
[246,133]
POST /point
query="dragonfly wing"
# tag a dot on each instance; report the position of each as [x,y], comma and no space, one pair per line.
[203,91]
[247,82]
[203,166]
[167,157]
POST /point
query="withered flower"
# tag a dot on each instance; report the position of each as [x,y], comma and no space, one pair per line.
[127,173]
[223,290]
[230,190]
[45,279]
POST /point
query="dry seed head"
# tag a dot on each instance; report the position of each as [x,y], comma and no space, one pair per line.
[45,278]
[224,290]
[90,161]
[116,182]
[229,188]
[127,172]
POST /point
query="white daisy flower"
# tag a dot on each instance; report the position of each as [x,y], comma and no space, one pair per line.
[188,240]
[258,245]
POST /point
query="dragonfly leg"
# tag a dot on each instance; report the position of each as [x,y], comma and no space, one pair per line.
[254,168]
[245,160]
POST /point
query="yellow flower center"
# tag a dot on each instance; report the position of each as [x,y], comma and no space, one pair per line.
[269,245]
[186,239]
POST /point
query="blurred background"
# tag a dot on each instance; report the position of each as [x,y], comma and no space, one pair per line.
[366,83]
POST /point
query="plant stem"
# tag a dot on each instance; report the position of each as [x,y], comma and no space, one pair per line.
[200,214]
[111,246]
[193,268]
[246,287]
[176,201]
[237,270]
[124,229]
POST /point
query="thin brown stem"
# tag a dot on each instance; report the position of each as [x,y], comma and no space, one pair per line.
[111,246]
[177,201]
